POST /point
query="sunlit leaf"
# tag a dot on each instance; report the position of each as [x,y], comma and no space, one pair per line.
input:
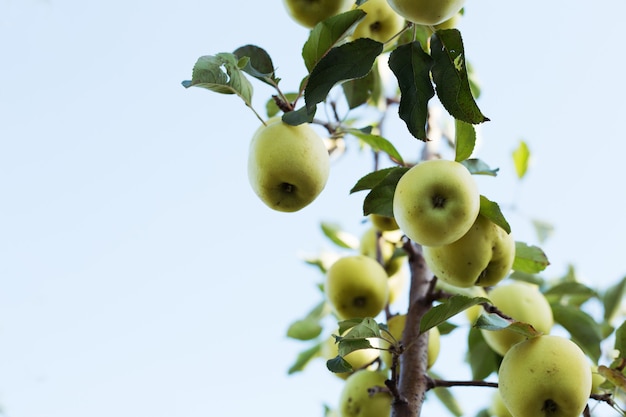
[304,358]
[304,329]
[614,376]
[521,156]
[495,322]
[359,328]
[543,229]
[529,259]
[491,210]
[584,329]
[339,237]
[377,143]
[464,140]
[620,340]
[478,167]
[449,308]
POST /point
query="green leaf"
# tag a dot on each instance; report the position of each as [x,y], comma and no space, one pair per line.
[449,73]
[328,34]
[543,229]
[304,329]
[613,298]
[564,292]
[359,328]
[380,199]
[304,358]
[583,328]
[521,156]
[300,116]
[221,74]
[361,90]
[259,64]
[339,237]
[451,307]
[347,346]
[491,210]
[495,322]
[482,359]
[411,66]
[372,179]
[465,140]
[529,259]
[478,167]
[447,399]
[345,62]
[272,109]
[620,340]
[377,143]
[338,365]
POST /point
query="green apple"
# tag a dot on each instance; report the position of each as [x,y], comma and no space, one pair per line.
[483,256]
[596,381]
[356,287]
[396,327]
[523,302]
[436,202]
[398,282]
[497,407]
[383,223]
[308,13]
[288,166]
[358,359]
[545,376]
[355,399]
[426,12]
[373,240]
[381,22]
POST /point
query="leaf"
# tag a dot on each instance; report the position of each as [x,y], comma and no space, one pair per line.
[259,65]
[620,340]
[345,62]
[339,237]
[495,322]
[304,358]
[377,143]
[328,34]
[478,167]
[451,307]
[338,365]
[449,73]
[543,229]
[411,66]
[482,359]
[272,109]
[359,328]
[380,199]
[614,376]
[447,399]
[221,74]
[491,210]
[583,328]
[304,329]
[359,91]
[521,156]
[529,259]
[564,291]
[464,139]
[613,298]
[371,180]
[300,116]
[347,346]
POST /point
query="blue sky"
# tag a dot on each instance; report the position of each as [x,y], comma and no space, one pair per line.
[139,275]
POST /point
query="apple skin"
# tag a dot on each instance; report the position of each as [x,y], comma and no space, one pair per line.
[288,166]
[436,202]
[355,400]
[523,302]
[308,13]
[427,12]
[384,223]
[545,376]
[497,407]
[483,256]
[396,327]
[381,22]
[357,359]
[596,381]
[356,287]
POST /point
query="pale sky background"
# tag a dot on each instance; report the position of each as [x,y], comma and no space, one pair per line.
[140,276]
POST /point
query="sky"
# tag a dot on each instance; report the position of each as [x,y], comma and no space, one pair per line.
[140,275]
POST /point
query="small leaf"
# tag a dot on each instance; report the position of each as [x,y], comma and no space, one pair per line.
[359,328]
[305,329]
[491,210]
[371,180]
[380,198]
[304,358]
[614,376]
[300,116]
[620,340]
[449,73]
[613,298]
[583,328]
[339,237]
[529,259]
[495,322]
[272,109]
[328,34]
[345,62]
[482,359]
[478,167]
[347,346]
[563,291]
[411,66]
[521,156]
[465,140]
[377,143]
[543,229]
[259,63]
[449,308]
[338,365]
[361,90]
[447,398]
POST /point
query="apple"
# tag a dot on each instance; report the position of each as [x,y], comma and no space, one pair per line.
[356,400]
[381,22]
[288,166]
[436,202]
[523,302]
[483,256]
[426,12]
[545,376]
[596,381]
[396,327]
[497,408]
[383,223]
[358,359]
[398,282]
[356,287]
[308,13]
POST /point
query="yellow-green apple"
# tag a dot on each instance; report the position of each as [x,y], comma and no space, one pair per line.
[398,282]
[545,376]
[426,12]
[381,22]
[596,381]
[483,256]
[474,312]
[387,243]
[356,287]
[523,302]
[356,400]
[396,327]
[383,223]
[358,359]
[436,202]
[288,166]
[497,407]
[308,13]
